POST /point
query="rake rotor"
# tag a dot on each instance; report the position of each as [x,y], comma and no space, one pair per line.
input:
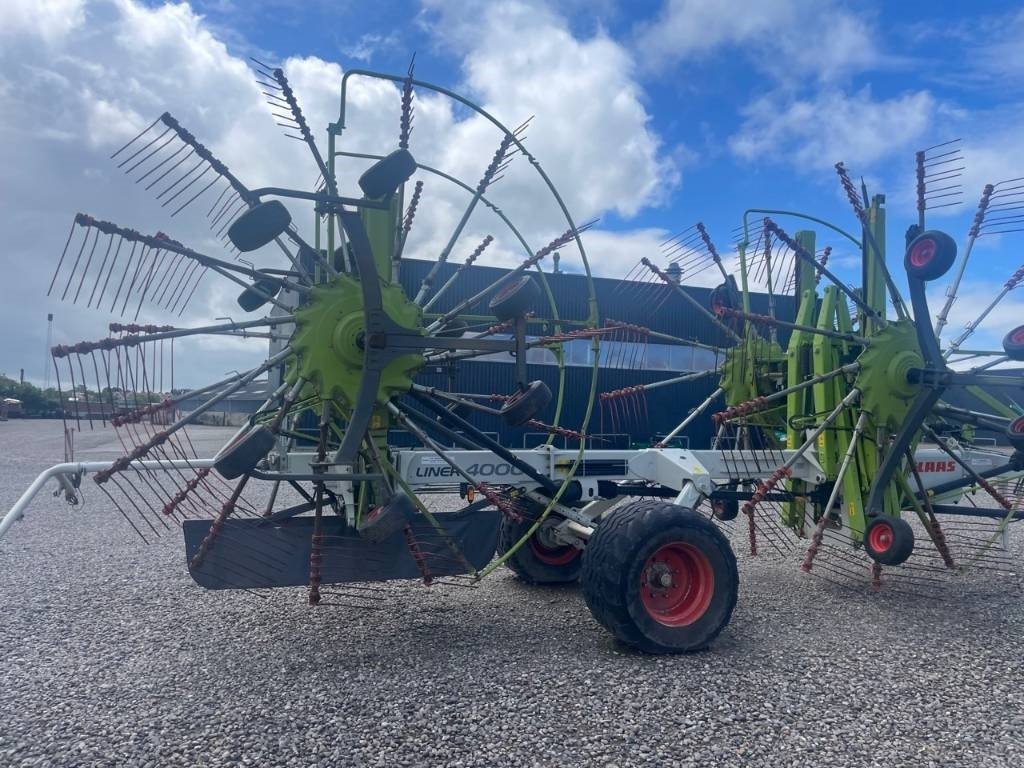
[347,345]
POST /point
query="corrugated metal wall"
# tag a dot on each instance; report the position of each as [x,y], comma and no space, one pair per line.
[636,420]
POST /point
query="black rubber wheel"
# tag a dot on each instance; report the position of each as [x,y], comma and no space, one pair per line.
[721,298]
[242,456]
[539,560]
[259,225]
[385,176]
[930,255]
[889,540]
[1013,343]
[259,293]
[383,522]
[725,509]
[660,577]
[1015,433]
[514,299]
[526,404]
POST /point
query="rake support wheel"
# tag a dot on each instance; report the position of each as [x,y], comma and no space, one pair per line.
[539,560]
[930,255]
[889,540]
[243,456]
[526,404]
[515,299]
[660,577]
[383,522]
[1013,343]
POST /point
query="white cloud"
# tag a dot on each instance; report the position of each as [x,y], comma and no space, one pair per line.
[48,20]
[369,45]
[773,32]
[817,132]
[117,64]
[591,129]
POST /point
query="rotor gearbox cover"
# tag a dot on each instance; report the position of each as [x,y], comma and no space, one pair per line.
[330,341]
[886,391]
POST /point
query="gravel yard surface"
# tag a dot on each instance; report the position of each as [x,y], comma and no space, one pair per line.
[112,656]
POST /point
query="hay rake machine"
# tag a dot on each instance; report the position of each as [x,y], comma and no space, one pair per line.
[900,428]
[310,492]
[819,437]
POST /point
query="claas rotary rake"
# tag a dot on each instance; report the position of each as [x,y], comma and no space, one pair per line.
[916,442]
[311,492]
[820,436]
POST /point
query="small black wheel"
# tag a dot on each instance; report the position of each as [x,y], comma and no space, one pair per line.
[721,299]
[541,559]
[259,293]
[383,522]
[526,404]
[1015,433]
[259,225]
[385,176]
[660,577]
[515,299]
[1013,343]
[725,509]
[930,255]
[889,540]
[243,455]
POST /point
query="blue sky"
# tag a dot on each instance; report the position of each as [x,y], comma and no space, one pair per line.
[697,102]
[649,115]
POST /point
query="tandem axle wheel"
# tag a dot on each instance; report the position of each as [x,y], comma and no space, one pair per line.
[660,577]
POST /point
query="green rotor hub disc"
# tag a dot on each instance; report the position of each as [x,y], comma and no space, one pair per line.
[882,380]
[329,339]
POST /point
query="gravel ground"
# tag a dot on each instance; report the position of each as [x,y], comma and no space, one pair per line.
[112,656]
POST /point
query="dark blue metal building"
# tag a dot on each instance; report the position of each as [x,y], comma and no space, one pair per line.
[626,360]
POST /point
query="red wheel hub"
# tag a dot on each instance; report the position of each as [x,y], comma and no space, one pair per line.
[923,252]
[1017,337]
[677,584]
[553,555]
[881,537]
[1017,426]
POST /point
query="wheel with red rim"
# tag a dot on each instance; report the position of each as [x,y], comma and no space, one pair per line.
[660,577]
[930,255]
[889,540]
[720,299]
[725,509]
[383,522]
[677,584]
[526,404]
[541,559]
[515,298]
[244,454]
[1013,343]
[1015,433]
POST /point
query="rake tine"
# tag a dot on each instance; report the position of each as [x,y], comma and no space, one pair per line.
[180,179]
[195,197]
[74,267]
[88,263]
[161,164]
[103,267]
[139,136]
[158,179]
[147,157]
